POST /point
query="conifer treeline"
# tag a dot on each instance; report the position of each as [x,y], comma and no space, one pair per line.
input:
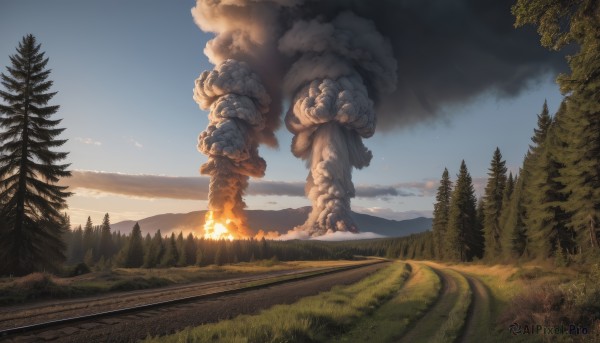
[99,247]
[547,210]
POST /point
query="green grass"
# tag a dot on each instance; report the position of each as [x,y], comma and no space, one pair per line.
[311,319]
[38,286]
[451,328]
[392,319]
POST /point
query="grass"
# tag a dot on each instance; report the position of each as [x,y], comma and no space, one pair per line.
[391,320]
[535,293]
[311,319]
[451,328]
[499,279]
[39,286]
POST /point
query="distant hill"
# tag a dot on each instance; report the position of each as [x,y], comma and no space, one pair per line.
[281,221]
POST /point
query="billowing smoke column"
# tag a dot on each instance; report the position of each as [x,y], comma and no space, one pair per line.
[345,65]
[237,102]
[331,109]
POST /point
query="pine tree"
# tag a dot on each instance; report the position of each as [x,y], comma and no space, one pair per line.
[190,250]
[480,220]
[29,173]
[580,174]
[462,242]
[514,233]
[171,256]
[106,245]
[134,256]
[441,211]
[547,215]
[76,252]
[562,23]
[218,260]
[508,190]
[181,250]
[534,169]
[154,253]
[492,205]
[88,238]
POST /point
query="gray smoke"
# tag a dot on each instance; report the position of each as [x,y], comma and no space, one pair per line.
[346,64]
[331,110]
[237,102]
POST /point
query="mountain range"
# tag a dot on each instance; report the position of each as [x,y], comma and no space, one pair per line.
[280,221]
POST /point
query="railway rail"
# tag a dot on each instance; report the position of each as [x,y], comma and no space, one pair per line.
[145,301]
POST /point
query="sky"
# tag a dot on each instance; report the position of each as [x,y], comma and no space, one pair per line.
[125,70]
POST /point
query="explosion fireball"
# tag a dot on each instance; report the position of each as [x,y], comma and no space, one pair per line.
[217,230]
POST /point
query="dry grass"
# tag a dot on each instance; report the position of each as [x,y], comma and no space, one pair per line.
[46,286]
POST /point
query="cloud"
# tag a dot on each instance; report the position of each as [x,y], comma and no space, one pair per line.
[428,187]
[136,143]
[88,141]
[98,183]
[192,188]
[346,236]
[389,213]
[145,186]
[331,236]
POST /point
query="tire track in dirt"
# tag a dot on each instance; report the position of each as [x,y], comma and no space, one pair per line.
[437,313]
[478,317]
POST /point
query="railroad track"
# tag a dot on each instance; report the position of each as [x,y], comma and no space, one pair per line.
[145,304]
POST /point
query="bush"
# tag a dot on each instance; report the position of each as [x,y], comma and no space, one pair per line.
[528,274]
[140,283]
[79,269]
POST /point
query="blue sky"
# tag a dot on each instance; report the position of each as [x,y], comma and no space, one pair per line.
[124,72]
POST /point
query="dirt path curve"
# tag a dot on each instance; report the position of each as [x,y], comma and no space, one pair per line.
[160,321]
[425,328]
[479,312]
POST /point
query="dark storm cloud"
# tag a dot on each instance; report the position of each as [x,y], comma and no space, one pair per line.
[448,52]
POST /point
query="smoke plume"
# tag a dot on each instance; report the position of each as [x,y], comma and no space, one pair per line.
[345,65]
[331,110]
[237,102]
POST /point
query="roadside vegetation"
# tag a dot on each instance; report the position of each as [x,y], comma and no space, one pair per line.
[392,319]
[311,319]
[38,286]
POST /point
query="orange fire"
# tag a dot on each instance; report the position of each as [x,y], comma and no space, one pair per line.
[216,230]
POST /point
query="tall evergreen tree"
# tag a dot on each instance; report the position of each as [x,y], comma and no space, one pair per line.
[480,220]
[181,250]
[562,23]
[548,219]
[106,244]
[441,210]
[171,255]
[29,169]
[190,250]
[506,196]
[535,173]
[88,239]
[514,232]
[134,256]
[154,253]
[492,205]
[462,242]
[76,251]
